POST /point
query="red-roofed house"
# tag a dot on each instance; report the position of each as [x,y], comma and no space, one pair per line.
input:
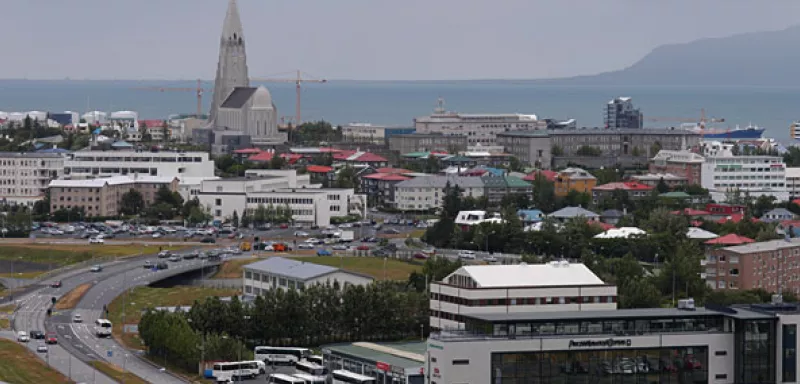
[691,212]
[379,187]
[358,157]
[265,156]
[549,175]
[601,225]
[634,189]
[393,170]
[243,154]
[318,169]
[320,173]
[735,218]
[730,239]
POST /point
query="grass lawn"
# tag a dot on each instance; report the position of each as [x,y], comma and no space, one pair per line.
[373,266]
[5,323]
[142,298]
[18,365]
[66,254]
[232,269]
[71,299]
[116,372]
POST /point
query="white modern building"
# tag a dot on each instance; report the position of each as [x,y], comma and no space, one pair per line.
[25,177]
[283,273]
[310,204]
[755,175]
[520,288]
[478,128]
[741,344]
[427,193]
[94,164]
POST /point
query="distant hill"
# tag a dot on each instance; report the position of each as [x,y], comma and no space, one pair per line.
[752,59]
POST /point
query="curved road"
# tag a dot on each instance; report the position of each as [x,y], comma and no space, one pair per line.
[77,342]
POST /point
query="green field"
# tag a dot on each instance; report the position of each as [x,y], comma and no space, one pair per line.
[373,266]
[142,298]
[19,366]
[116,373]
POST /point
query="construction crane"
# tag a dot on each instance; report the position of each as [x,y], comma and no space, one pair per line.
[702,122]
[198,90]
[297,80]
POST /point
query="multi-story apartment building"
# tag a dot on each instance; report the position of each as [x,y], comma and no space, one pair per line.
[793,182]
[369,133]
[770,265]
[94,164]
[686,164]
[101,196]
[530,147]
[379,187]
[620,114]
[478,128]
[521,288]
[755,175]
[427,142]
[24,177]
[500,186]
[634,189]
[574,179]
[427,192]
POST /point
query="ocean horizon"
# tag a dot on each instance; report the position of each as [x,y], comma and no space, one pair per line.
[399,102]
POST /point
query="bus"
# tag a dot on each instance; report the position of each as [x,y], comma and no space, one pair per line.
[311,379]
[238,369]
[310,368]
[347,377]
[280,378]
[102,328]
[281,355]
[316,359]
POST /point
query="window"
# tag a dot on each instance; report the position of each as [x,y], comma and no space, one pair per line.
[218,202]
[720,376]
[248,275]
[721,353]
[461,362]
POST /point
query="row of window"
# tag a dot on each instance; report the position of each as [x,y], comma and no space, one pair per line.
[142,159]
[547,300]
[273,280]
[278,200]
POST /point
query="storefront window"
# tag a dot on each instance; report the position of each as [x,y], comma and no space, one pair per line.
[789,353]
[756,350]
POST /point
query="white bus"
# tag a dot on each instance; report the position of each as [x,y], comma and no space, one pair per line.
[310,368]
[281,355]
[347,377]
[102,328]
[316,359]
[280,378]
[238,369]
[311,379]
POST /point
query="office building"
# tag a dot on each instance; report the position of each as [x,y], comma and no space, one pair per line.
[755,175]
[620,114]
[528,146]
[793,182]
[684,163]
[552,287]
[396,363]
[25,177]
[94,164]
[770,265]
[373,134]
[102,196]
[427,142]
[740,344]
[282,273]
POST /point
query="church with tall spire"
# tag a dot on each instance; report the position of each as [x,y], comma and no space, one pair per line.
[236,107]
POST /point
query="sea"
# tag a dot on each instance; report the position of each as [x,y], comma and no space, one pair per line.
[399,102]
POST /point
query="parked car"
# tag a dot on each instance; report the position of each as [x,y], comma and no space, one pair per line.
[420,256]
[466,255]
[284,226]
[190,255]
[323,252]
[208,240]
[300,234]
[174,258]
[339,247]
[392,231]
[164,254]
[96,240]
[490,259]
[305,245]
[148,264]
[363,248]
[162,265]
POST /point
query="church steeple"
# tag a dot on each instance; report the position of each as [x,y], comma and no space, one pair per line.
[232,65]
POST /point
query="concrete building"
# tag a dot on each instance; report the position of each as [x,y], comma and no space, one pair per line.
[94,164]
[225,142]
[369,133]
[380,187]
[755,175]
[686,164]
[427,192]
[574,179]
[500,186]
[633,189]
[25,177]
[740,344]
[232,64]
[250,111]
[652,179]
[478,128]
[101,197]
[620,114]
[528,146]
[427,142]
[793,182]
[396,363]
[552,287]
[778,214]
[281,273]
[769,265]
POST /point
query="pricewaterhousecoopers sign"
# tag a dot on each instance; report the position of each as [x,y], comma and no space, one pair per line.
[608,343]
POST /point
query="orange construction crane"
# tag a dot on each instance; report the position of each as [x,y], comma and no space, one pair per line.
[198,90]
[299,79]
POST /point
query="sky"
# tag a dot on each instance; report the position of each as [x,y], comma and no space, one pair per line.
[363,39]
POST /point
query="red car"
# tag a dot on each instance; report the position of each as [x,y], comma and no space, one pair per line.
[51,338]
[55,284]
[363,248]
[420,256]
[284,226]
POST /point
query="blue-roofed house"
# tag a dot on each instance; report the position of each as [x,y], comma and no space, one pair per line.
[285,273]
[530,216]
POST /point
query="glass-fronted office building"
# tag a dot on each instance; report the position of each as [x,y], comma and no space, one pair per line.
[747,344]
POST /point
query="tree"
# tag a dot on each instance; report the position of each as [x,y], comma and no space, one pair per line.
[556,150]
[277,161]
[260,215]
[662,186]
[235,219]
[131,202]
[655,148]
[345,178]
[451,203]
[544,196]
[515,165]
[199,215]
[245,219]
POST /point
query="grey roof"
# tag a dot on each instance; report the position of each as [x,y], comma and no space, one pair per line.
[761,246]
[440,181]
[291,268]
[618,313]
[238,97]
[779,212]
[32,155]
[612,213]
[367,354]
[570,212]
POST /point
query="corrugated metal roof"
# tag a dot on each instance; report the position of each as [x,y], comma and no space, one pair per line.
[291,268]
[360,351]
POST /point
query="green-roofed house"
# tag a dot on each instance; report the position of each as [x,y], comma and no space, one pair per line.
[415,155]
[498,186]
[675,195]
[397,363]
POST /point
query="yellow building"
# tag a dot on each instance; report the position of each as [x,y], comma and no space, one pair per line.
[574,179]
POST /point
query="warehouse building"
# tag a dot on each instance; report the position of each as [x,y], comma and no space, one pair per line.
[283,273]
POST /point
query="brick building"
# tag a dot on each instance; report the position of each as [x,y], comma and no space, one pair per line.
[684,164]
[768,265]
[101,197]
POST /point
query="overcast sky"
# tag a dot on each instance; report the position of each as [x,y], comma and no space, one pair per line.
[363,39]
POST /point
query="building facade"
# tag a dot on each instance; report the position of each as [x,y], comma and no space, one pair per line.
[755,175]
[101,197]
[500,186]
[369,133]
[620,114]
[95,164]
[478,128]
[653,179]
[793,182]
[418,142]
[282,273]
[521,288]
[684,163]
[633,189]
[770,265]
[426,193]
[25,177]
[574,179]
[528,147]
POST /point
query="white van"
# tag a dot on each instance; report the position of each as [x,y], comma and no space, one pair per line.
[22,337]
[102,328]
